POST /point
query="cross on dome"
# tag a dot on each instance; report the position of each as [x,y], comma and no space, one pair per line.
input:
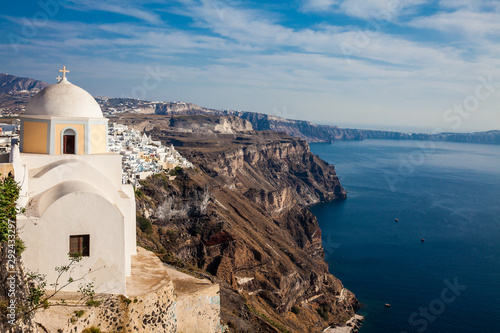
[64,71]
[59,78]
[63,99]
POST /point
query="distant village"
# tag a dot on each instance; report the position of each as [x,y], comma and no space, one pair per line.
[141,156]
[9,133]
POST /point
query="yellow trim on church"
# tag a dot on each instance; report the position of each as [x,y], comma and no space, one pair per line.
[98,139]
[81,137]
[35,137]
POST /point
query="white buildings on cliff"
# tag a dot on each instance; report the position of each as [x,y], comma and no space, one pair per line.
[142,156]
[8,133]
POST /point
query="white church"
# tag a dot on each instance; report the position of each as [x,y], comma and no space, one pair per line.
[72,190]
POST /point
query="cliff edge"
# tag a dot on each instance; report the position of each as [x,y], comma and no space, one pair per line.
[241,218]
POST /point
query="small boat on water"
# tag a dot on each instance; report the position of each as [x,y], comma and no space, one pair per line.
[387,305]
[397,220]
[422,240]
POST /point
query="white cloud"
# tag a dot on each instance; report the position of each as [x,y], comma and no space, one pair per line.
[364,9]
[472,24]
[472,5]
[318,5]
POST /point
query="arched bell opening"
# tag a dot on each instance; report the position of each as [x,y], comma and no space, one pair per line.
[69,139]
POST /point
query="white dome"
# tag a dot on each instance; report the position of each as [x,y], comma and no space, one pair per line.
[64,99]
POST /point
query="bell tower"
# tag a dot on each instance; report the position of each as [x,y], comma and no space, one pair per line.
[63,119]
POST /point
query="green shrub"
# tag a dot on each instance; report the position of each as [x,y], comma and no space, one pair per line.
[20,246]
[323,312]
[176,171]
[163,179]
[144,224]
[92,302]
[92,329]
[9,193]
[196,229]
[79,313]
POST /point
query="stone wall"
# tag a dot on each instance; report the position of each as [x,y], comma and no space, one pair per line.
[160,299]
[148,313]
[197,306]
[5,169]
[199,312]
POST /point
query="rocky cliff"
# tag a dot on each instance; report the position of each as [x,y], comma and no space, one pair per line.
[321,133]
[178,108]
[327,133]
[242,219]
[490,137]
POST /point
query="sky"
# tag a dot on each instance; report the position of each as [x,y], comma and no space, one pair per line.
[416,65]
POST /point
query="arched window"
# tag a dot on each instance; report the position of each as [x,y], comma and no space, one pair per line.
[69,141]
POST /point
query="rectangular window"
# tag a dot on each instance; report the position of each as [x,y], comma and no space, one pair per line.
[80,245]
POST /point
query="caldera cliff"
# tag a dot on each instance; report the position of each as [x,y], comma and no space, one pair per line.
[241,218]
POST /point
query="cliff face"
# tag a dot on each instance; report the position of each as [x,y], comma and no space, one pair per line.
[322,133]
[275,172]
[199,125]
[174,108]
[490,137]
[241,218]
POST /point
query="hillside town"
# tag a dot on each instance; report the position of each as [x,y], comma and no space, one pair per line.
[9,133]
[142,156]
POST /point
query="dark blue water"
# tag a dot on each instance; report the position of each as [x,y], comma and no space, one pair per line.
[445,193]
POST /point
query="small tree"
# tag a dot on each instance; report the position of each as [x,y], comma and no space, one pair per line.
[9,193]
[144,224]
[39,297]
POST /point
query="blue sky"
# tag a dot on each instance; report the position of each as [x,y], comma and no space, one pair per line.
[389,64]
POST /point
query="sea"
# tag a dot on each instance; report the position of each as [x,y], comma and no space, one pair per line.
[419,231]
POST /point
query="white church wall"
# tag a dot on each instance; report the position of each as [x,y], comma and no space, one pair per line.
[130,224]
[20,175]
[47,241]
[43,179]
[109,164]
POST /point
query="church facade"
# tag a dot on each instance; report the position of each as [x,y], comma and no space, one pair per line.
[72,190]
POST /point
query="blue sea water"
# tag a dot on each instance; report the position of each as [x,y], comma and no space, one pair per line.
[445,193]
